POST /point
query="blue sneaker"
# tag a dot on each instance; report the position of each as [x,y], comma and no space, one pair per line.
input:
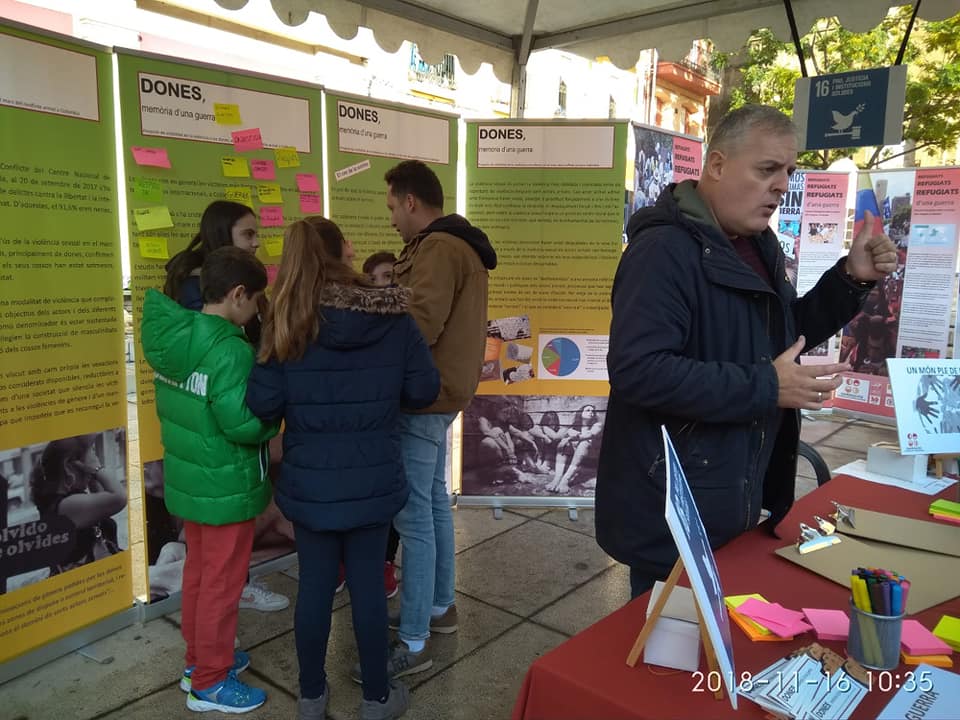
[241,661]
[227,696]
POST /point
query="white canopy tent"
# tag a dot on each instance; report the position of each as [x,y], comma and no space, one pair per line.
[504,32]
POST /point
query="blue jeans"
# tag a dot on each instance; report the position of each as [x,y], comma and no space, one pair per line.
[425,523]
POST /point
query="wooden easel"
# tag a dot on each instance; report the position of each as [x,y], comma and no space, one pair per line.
[668,586]
[937,460]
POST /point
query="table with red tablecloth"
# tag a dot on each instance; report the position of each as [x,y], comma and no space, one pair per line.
[588,677]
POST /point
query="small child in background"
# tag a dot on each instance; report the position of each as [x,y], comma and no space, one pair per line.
[215,463]
[379,268]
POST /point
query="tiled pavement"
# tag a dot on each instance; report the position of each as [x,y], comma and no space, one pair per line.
[525,583]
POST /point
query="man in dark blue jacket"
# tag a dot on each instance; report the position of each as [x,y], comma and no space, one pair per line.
[705,338]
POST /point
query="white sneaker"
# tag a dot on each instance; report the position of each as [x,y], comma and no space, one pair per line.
[257,597]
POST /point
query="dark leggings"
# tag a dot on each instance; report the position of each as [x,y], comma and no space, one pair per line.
[362,550]
[393,543]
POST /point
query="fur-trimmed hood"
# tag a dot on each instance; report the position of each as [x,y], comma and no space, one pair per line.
[352,316]
[377,300]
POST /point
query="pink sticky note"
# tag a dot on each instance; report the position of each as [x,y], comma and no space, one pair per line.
[310,204]
[917,640]
[246,140]
[828,624]
[271,215]
[263,169]
[152,157]
[777,619]
[272,271]
[307,182]
[768,611]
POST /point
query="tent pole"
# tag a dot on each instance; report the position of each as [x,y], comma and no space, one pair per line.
[906,36]
[522,44]
[788,6]
[518,91]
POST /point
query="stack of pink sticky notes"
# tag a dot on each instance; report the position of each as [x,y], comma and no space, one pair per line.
[828,624]
[917,640]
[776,618]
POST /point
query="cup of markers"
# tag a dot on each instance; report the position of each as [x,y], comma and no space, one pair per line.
[878,601]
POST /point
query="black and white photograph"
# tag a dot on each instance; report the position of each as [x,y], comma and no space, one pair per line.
[653,165]
[542,445]
[65,505]
[518,373]
[516,327]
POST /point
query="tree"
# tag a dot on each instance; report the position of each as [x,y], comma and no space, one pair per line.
[765,70]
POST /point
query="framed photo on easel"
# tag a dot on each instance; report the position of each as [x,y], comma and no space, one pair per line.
[696,556]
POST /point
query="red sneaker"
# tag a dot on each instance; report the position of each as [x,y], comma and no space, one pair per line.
[390,579]
[341,579]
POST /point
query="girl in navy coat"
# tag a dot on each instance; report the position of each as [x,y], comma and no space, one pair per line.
[338,359]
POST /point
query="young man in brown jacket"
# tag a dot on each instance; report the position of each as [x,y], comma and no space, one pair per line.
[444,261]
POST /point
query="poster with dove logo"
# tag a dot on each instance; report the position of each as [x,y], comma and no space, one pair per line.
[852,109]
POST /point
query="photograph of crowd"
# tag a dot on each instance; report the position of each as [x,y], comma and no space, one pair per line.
[67,499]
[871,337]
[532,445]
[653,165]
[788,233]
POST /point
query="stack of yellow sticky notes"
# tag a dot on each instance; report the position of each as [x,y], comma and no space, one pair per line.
[754,630]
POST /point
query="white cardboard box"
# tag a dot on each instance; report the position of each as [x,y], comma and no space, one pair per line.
[886,459]
[675,640]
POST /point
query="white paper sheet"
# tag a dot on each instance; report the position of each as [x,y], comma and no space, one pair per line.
[930,486]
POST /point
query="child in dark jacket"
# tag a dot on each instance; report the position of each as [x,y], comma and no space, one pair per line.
[215,464]
[338,359]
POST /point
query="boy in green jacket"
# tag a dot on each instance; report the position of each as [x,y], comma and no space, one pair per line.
[215,463]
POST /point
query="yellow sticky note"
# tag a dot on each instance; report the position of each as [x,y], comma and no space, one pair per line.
[287,157]
[948,630]
[152,218]
[154,247]
[234,166]
[241,195]
[735,601]
[227,114]
[270,193]
[274,245]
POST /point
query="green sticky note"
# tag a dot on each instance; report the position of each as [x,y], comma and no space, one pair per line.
[242,195]
[234,166]
[152,218]
[269,193]
[274,245]
[227,114]
[154,247]
[287,157]
[148,190]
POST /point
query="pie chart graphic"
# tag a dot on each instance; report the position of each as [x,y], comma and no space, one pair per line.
[560,356]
